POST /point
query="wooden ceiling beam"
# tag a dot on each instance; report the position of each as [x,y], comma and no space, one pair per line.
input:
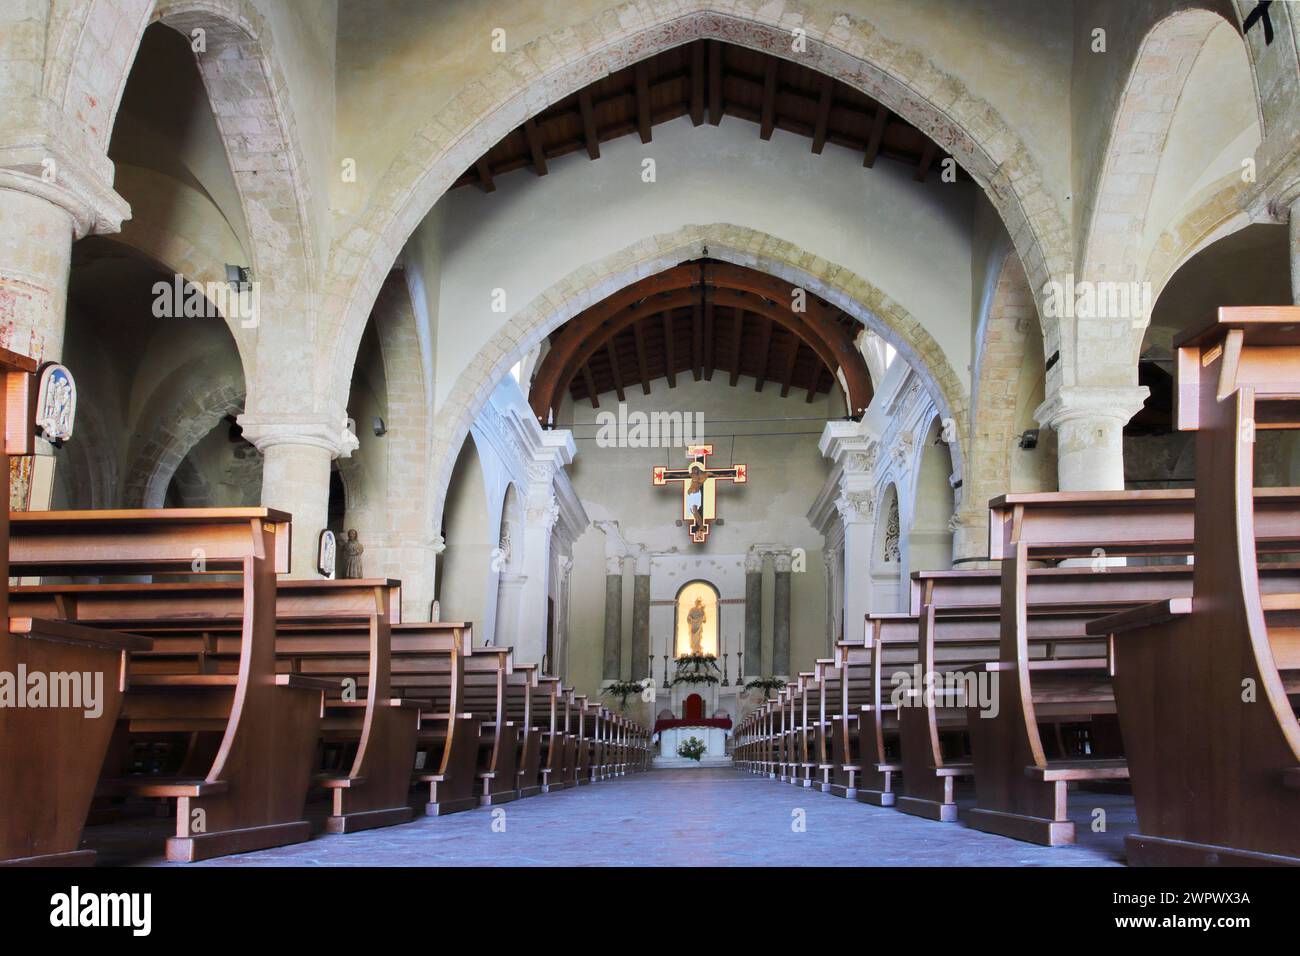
[877,135]
[670,355]
[787,373]
[638,334]
[715,83]
[823,114]
[697,340]
[764,351]
[614,370]
[927,160]
[708,337]
[484,175]
[643,100]
[768,121]
[590,382]
[737,335]
[814,384]
[702,288]
[535,146]
[589,133]
[697,83]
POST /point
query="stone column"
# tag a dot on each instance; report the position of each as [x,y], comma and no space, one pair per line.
[641,617]
[45,203]
[970,537]
[753,616]
[296,456]
[781,615]
[1295,249]
[540,515]
[564,569]
[855,450]
[1089,423]
[510,589]
[613,617]
[857,512]
[831,562]
[42,210]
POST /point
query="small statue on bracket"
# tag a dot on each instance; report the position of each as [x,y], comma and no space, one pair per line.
[352,551]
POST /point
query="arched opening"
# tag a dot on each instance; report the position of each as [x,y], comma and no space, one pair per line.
[929,539]
[887,592]
[506,566]
[463,568]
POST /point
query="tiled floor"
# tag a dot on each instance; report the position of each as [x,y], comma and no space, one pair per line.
[696,817]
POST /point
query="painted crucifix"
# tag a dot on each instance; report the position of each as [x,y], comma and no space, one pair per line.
[699,482]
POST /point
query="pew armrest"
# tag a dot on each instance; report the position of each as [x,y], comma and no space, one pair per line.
[1160,612]
[65,632]
[1095,769]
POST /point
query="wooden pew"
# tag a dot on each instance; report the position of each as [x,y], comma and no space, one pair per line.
[338,630]
[1207,686]
[247,789]
[526,688]
[549,718]
[429,663]
[49,755]
[1021,790]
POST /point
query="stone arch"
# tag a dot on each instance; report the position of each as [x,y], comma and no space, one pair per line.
[194,405]
[730,243]
[1115,220]
[1216,212]
[930,531]
[86,73]
[998,364]
[850,49]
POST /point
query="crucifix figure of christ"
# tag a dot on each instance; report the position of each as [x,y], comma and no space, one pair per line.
[699,483]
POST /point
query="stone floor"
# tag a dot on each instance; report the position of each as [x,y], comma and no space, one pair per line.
[700,817]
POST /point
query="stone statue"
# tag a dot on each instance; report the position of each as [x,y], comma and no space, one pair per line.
[695,619]
[352,551]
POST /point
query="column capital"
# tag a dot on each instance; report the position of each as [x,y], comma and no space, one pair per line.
[312,430]
[56,175]
[782,561]
[855,506]
[753,562]
[1072,403]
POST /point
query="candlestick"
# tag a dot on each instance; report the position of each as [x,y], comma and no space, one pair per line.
[740,667]
[725,681]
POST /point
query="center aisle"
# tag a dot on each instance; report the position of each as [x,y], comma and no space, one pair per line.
[703,817]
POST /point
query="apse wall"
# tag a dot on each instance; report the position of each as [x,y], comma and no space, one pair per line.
[912,240]
[786,472]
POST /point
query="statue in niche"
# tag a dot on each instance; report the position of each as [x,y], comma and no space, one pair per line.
[352,551]
[695,619]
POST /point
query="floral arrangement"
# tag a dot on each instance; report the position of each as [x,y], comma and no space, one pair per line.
[696,669]
[692,748]
[624,689]
[765,684]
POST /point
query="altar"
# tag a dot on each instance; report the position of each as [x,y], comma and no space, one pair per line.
[686,719]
